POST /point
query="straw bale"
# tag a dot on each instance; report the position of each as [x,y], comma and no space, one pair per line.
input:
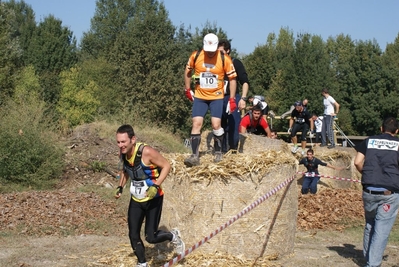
[206,197]
[249,143]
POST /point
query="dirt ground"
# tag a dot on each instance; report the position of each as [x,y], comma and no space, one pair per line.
[74,226]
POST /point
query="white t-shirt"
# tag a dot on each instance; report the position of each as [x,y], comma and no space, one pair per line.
[262,104]
[329,105]
[318,124]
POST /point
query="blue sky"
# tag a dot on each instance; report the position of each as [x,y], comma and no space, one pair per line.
[248,23]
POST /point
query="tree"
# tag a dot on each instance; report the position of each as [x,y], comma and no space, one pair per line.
[390,63]
[10,52]
[27,87]
[370,88]
[312,70]
[77,103]
[27,128]
[110,20]
[23,26]
[52,49]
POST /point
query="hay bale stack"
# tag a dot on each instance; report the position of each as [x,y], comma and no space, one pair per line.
[249,143]
[201,199]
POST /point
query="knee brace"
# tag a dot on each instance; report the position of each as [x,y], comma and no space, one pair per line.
[218,139]
[218,132]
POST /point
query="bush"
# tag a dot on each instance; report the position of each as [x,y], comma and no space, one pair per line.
[29,153]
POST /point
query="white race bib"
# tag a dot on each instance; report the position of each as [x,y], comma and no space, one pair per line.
[138,189]
[310,174]
[208,80]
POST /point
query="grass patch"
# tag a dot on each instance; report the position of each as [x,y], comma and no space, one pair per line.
[356,228]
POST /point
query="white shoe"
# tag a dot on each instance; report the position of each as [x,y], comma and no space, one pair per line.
[303,152]
[142,264]
[294,149]
[180,247]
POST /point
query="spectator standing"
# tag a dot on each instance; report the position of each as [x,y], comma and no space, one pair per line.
[318,123]
[231,121]
[331,109]
[377,160]
[210,66]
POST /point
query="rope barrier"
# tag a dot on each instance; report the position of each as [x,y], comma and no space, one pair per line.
[231,221]
[334,177]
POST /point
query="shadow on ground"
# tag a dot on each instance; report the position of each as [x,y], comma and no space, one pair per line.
[349,251]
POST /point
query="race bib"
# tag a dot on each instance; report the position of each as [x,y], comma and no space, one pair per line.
[138,189]
[208,80]
[300,120]
[310,174]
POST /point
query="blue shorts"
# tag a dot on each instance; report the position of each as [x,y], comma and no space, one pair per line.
[200,107]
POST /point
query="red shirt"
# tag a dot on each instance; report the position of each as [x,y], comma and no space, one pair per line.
[256,127]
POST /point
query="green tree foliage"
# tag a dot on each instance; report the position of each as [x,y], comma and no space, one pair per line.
[29,153]
[110,21]
[27,88]
[24,24]
[274,59]
[52,49]
[341,51]
[133,57]
[10,52]
[366,111]
[146,59]
[390,61]
[359,76]
[312,71]
[103,74]
[77,104]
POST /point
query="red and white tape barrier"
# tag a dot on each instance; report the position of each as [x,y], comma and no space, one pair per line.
[334,177]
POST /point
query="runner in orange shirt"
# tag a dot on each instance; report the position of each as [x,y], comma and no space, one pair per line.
[209,67]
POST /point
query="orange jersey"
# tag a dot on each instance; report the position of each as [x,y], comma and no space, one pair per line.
[209,74]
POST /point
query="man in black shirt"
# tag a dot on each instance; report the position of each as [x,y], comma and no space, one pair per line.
[377,160]
[231,122]
[300,121]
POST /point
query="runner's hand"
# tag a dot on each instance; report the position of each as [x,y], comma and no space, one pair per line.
[189,94]
[152,192]
[233,104]
[289,130]
[118,191]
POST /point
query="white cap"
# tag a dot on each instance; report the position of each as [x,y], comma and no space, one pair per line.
[211,42]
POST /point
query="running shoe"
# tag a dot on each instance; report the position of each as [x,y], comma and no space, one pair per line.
[180,247]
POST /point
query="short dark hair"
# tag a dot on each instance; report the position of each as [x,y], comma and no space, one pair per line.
[310,151]
[226,45]
[257,107]
[126,128]
[390,125]
[325,90]
[298,104]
